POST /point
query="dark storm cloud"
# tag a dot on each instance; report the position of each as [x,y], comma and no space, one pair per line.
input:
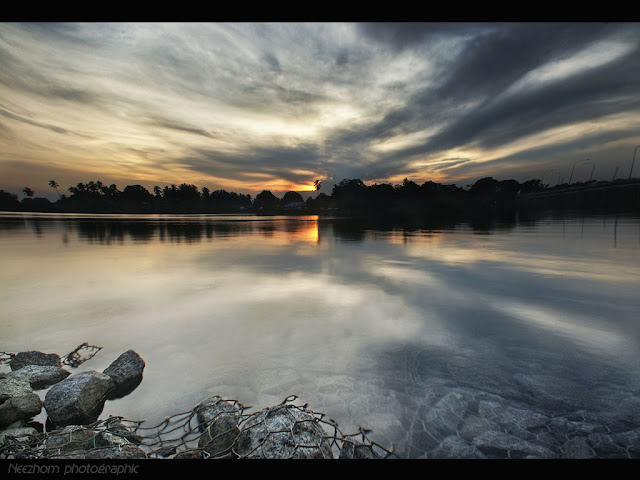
[368,101]
[496,58]
[593,95]
[603,91]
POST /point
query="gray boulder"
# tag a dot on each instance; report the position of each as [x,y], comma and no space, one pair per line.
[78,399]
[20,434]
[111,445]
[80,442]
[116,428]
[40,376]
[218,420]
[357,451]
[116,452]
[13,387]
[22,359]
[126,373]
[280,432]
[17,401]
[70,439]
[189,455]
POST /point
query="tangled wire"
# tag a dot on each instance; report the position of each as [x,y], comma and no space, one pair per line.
[215,428]
[185,435]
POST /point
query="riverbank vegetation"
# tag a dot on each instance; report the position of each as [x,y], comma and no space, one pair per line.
[348,197]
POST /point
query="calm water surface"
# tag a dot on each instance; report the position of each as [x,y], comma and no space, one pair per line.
[372,327]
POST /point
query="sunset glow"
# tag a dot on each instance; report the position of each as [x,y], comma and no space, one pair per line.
[253,106]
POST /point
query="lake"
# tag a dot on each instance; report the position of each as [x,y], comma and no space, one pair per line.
[444,341]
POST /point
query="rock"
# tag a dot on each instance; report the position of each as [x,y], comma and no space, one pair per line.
[12,387]
[79,442]
[280,432]
[109,445]
[444,418]
[22,359]
[495,444]
[18,401]
[523,423]
[72,455]
[115,427]
[454,447]
[165,452]
[126,372]
[25,435]
[630,441]
[20,408]
[357,451]
[218,420]
[79,399]
[108,439]
[17,424]
[577,448]
[189,455]
[117,452]
[604,446]
[70,439]
[40,376]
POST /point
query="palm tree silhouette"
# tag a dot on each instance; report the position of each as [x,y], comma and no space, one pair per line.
[54,184]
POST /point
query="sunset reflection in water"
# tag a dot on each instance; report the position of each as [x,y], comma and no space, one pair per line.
[258,308]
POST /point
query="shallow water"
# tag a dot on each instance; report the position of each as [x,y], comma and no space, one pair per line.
[385,328]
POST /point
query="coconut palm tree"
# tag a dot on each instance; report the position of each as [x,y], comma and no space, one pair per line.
[54,184]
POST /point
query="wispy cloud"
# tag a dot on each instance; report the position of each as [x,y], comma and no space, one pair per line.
[235,103]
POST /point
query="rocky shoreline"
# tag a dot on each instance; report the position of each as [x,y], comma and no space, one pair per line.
[459,422]
[215,428]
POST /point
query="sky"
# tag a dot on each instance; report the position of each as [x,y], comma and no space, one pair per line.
[251,106]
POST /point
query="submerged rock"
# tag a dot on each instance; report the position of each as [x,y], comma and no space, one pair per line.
[23,359]
[218,420]
[357,451]
[280,432]
[496,444]
[126,373]
[79,399]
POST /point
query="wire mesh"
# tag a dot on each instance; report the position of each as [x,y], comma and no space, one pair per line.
[215,428]
[185,435]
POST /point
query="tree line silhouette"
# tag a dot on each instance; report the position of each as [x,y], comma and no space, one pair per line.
[348,197]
